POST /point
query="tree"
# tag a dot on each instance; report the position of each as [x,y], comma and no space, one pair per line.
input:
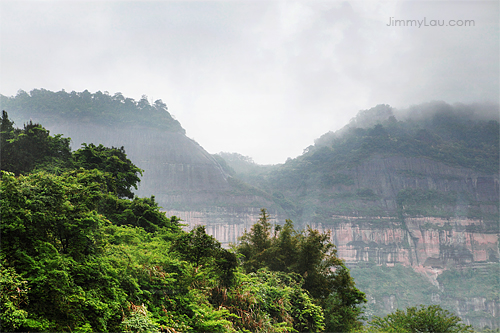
[125,174]
[138,212]
[7,126]
[201,249]
[52,235]
[23,150]
[56,236]
[42,208]
[255,245]
[310,254]
[33,148]
[6,135]
[432,319]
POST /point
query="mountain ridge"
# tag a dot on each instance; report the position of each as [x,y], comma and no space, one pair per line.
[421,192]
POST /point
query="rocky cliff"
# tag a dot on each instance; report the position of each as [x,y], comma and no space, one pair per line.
[427,244]
[177,170]
[421,193]
[374,218]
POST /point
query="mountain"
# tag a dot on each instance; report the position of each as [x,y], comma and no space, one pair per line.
[177,170]
[410,197]
[413,189]
[449,159]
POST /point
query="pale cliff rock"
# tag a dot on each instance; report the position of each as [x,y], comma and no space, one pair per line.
[177,170]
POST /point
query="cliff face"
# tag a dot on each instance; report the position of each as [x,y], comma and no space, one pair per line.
[375,219]
[386,176]
[383,230]
[427,244]
[393,186]
[464,230]
[177,170]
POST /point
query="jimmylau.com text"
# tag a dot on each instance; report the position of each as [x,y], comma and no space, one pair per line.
[430,23]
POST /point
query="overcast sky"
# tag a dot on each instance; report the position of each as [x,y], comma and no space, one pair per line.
[261,78]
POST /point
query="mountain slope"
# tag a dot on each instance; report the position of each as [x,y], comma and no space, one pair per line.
[444,160]
[177,170]
[416,188]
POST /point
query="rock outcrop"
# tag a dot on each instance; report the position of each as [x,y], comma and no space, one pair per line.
[454,226]
[423,243]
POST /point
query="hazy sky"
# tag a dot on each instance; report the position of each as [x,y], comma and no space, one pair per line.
[261,78]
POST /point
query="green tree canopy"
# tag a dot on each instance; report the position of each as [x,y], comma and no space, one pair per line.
[32,146]
[201,249]
[125,174]
[78,255]
[98,108]
[421,319]
[310,254]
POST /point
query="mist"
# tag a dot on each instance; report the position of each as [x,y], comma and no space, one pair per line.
[264,78]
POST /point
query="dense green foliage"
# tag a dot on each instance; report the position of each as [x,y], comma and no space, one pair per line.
[311,255]
[124,174]
[79,254]
[23,149]
[85,107]
[65,266]
[400,287]
[201,249]
[419,320]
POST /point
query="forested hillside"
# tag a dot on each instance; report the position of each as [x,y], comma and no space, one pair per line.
[91,108]
[411,198]
[176,169]
[435,160]
[81,252]
[407,197]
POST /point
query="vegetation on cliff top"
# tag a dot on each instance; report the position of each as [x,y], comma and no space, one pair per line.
[90,108]
[447,134]
[323,181]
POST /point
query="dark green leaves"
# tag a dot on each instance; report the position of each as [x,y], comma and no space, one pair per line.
[430,319]
[42,207]
[310,254]
[201,249]
[23,150]
[124,174]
